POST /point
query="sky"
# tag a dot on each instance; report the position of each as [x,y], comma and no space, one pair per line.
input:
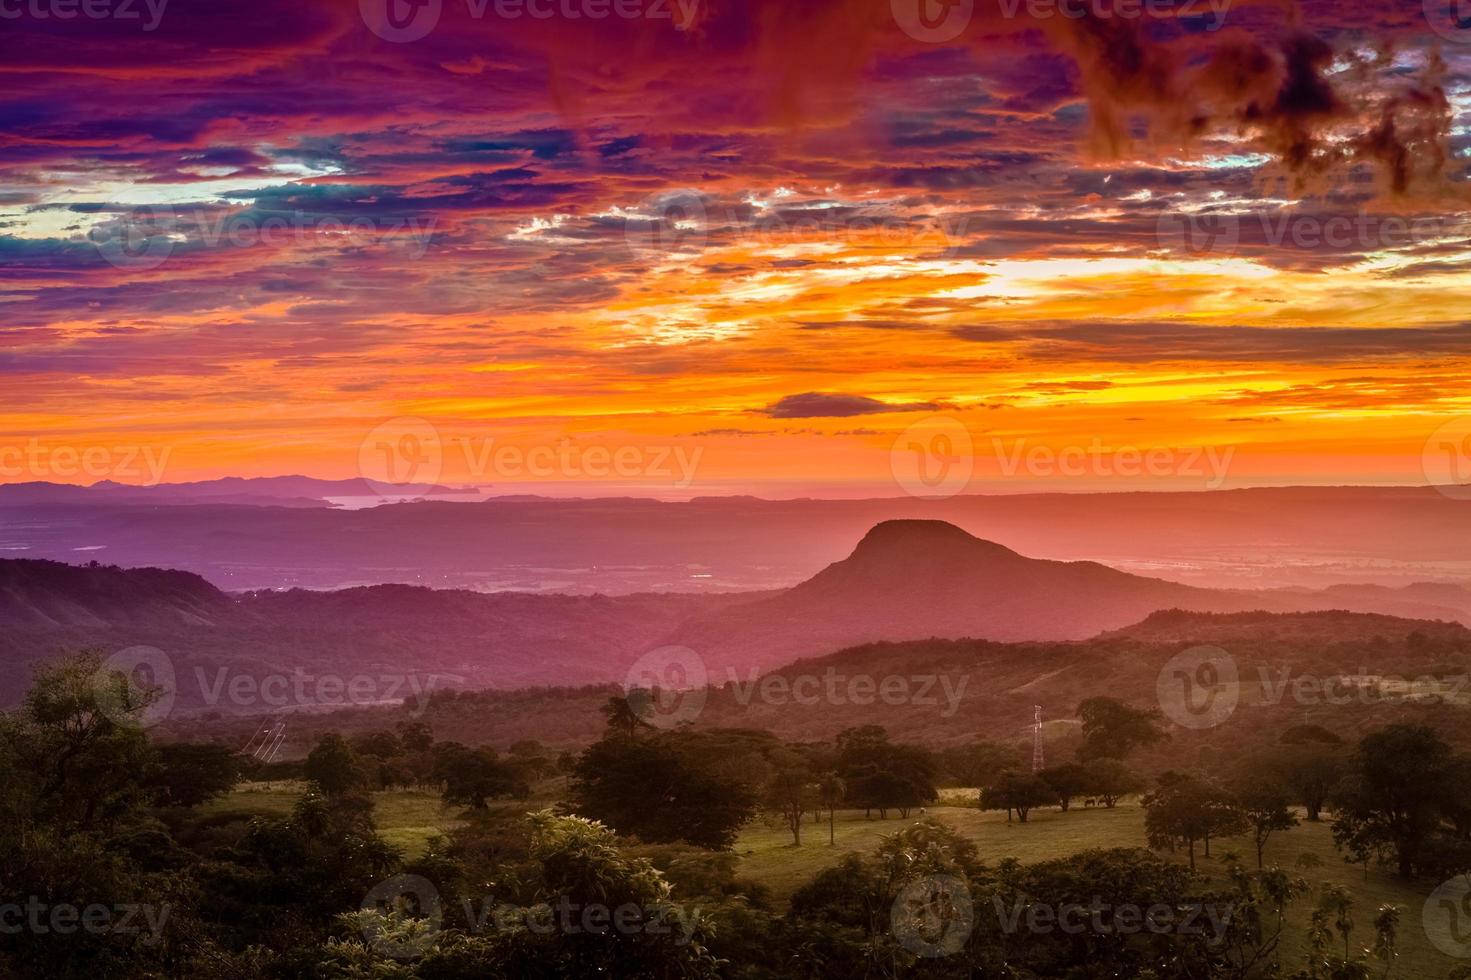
[783,248]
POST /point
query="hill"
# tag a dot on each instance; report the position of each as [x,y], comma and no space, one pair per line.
[51,594]
[949,692]
[906,580]
[1301,537]
[909,580]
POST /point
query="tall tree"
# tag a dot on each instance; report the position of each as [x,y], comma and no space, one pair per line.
[188,773]
[1018,792]
[790,792]
[1397,790]
[1264,804]
[74,749]
[1066,781]
[1113,730]
[1110,781]
[470,777]
[1185,810]
[334,766]
[831,790]
[670,786]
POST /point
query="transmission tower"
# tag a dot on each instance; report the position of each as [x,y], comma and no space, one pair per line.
[266,742]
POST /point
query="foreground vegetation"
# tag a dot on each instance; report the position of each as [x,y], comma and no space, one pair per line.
[720,853]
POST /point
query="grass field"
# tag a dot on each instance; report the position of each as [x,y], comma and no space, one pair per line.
[408,818]
[767,855]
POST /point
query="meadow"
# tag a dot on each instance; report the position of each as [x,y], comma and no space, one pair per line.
[409,818]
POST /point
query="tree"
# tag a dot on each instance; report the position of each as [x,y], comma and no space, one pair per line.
[187,774]
[1019,792]
[1457,803]
[981,762]
[1399,783]
[532,759]
[334,766]
[75,755]
[1112,729]
[1066,781]
[379,745]
[470,777]
[664,788]
[883,775]
[1265,808]
[1110,781]
[415,736]
[622,717]
[790,792]
[830,791]
[1311,770]
[1309,735]
[853,914]
[1184,810]
[577,868]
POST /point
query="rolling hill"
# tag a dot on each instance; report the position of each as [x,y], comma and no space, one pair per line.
[906,580]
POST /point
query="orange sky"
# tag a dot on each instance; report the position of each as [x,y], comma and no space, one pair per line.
[740,246]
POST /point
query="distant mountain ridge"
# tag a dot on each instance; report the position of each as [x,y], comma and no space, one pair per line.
[906,580]
[988,689]
[273,491]
[1291,537]
[35,593]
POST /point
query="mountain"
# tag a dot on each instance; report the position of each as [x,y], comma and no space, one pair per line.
[906,580]
[954,691]
[911,580]
[49,594]
[268,491]
[1293,537]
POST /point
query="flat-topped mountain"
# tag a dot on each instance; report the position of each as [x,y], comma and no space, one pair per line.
[911,580]
[905,580]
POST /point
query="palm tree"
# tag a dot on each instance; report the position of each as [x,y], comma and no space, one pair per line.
[831,790]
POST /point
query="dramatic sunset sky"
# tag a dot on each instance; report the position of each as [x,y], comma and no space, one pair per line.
[776,232]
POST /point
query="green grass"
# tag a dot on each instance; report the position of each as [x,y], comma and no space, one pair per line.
[408,818]
[767,855]
[272,799]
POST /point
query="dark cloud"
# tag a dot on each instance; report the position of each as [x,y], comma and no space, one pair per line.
[819,404]
[1159,342]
